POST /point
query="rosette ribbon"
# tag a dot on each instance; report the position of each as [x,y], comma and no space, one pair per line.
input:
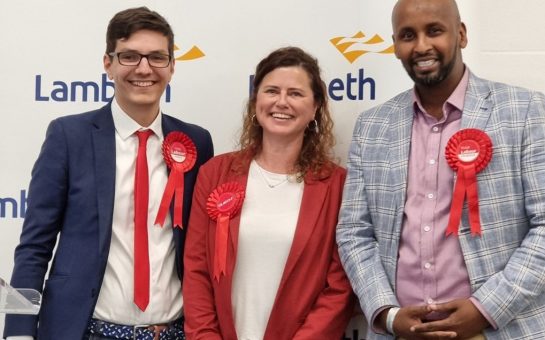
[180,155]
[467,152]
[222,204]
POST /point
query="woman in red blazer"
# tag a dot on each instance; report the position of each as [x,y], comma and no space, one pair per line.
[260,259]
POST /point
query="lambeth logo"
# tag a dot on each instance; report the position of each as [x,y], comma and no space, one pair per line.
[93,90]
[359,44]
[360,85]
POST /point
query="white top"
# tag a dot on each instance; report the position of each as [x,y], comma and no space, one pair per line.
[115,301]
[267,225]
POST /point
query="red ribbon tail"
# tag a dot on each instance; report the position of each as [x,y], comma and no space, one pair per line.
[220,258]
[473,201]
[457,204]
[179,203]
[167,198]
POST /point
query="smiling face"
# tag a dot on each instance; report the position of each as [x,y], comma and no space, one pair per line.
[428,38]
[285,103]
[139,88]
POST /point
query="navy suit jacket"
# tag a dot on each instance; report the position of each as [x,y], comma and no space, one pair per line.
[70,205]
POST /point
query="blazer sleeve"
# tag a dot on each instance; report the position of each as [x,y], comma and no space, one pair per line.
[46,204]
[356,238]
[201,320]
[508,293]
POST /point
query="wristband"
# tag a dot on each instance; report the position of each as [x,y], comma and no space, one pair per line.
[390,319]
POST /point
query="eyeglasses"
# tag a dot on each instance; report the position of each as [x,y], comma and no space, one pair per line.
[157,60]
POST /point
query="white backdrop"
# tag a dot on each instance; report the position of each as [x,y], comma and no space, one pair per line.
[49,48]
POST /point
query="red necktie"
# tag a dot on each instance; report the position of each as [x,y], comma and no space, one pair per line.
[141,257]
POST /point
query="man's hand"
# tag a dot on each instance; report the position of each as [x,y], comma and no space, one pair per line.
[409,317]
[464,320]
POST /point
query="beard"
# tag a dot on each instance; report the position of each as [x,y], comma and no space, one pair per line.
[433,79]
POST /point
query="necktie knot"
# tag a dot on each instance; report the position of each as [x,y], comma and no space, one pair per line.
[143,136]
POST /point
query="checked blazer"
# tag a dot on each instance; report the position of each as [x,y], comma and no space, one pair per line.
[505,263]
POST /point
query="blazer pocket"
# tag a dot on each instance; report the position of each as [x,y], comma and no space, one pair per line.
[54,286]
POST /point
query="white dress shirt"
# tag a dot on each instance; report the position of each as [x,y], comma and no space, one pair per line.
[115,301]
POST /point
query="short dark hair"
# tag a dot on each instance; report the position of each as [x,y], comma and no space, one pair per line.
[128,21]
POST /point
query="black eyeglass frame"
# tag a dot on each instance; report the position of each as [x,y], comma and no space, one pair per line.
[117,54]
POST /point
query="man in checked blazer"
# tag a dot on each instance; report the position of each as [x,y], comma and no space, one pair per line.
[412,280]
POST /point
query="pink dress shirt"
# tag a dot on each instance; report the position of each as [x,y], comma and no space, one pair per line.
[431,267]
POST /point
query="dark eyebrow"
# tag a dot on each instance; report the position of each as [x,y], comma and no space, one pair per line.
[403,30]
[136,51]
[435,24]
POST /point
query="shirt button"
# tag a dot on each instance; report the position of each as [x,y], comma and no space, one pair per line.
[429,301]
[430,196]
[432,161]
[435,129]
[427,265]
[427,228]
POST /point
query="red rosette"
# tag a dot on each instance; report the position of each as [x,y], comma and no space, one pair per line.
[179,151]
[467,152]
[469,146]
[223,203]
[180,155]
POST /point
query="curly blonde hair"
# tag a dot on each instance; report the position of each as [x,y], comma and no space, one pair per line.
[316,154]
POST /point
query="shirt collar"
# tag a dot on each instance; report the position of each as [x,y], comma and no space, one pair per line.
[125,126]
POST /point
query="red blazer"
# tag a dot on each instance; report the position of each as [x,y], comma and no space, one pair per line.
[314,299]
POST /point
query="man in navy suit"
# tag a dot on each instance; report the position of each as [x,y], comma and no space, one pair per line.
[82,202]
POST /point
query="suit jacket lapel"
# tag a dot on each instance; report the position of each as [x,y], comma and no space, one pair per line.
[104,155]
[234,225]
[477,104]
[167,128]
[178,234]
[401,122]
[311,206]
